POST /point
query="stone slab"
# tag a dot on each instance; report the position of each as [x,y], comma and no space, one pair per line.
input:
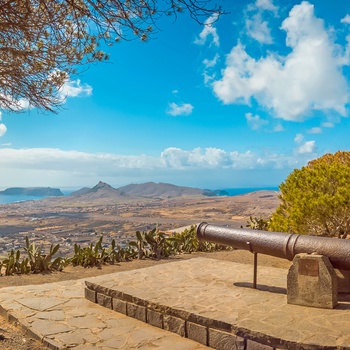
[58,315]
[218,295]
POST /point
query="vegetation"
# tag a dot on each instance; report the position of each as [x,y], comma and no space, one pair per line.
[316,198]
[152,244]
[43,42]
[255,223]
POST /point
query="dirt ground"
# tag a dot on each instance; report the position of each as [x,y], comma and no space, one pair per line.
[12,338]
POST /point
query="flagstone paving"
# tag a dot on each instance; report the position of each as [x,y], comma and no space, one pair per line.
[217,297]
[58,315]
[213,298]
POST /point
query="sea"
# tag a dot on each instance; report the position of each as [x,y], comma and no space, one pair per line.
[4,199]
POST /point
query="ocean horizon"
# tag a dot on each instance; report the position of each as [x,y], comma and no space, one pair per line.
[7,199]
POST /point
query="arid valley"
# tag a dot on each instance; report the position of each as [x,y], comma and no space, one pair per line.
[82,219]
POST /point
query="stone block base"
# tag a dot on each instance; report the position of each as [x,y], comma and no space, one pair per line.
[312,282]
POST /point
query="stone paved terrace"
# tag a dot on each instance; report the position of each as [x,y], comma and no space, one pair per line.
[58,315]
[206,293]
[212,302]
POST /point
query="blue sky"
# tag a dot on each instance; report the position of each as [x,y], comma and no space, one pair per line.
[237,104]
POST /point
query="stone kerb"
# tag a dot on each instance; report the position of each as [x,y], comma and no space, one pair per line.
[207,331]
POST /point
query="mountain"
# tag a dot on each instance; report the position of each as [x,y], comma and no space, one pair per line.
[101,190]
[159,190]
[81,191]
[32,191]
[146,190]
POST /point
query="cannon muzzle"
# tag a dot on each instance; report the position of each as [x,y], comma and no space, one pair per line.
[280,245]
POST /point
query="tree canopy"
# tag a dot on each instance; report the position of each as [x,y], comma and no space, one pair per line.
[316,198]
[43,42]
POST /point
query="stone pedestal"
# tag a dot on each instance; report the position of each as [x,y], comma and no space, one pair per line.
[312,281]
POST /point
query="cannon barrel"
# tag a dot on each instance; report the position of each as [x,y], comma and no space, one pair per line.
[278,244]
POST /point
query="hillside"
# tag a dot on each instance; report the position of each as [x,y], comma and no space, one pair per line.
[160,190]
[146,190]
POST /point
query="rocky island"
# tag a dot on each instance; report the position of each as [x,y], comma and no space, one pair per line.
[32,191]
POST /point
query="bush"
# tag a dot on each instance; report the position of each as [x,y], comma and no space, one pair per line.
[316,198]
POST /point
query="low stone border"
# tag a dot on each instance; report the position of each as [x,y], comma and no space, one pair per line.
[210,332]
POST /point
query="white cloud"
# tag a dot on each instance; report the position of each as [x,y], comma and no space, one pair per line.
[16,105]
[299,138]
[180,109]
[209,31]
[208,78]
[211,63]
[255,122]
[328,125]
[3,129]
[278,128]
[266,5]
[71,88]
[346,19]
[42,159]
[307,147]
[53,167]
[74,88]
[309,78]
[258,29]
[315,130]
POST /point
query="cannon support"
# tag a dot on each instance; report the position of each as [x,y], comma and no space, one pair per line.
[280,245]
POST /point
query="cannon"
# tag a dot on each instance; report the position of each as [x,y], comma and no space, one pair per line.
[320,269]
[278,244]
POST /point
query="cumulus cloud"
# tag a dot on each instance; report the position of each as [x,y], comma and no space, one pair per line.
[255,122]
[266,5]
[307,147]
[175,109]
[278,128]
[3,129]
[328,125]
[299,138]
[214,158]
[48,166]
[258,29]
[257,26]
[346,19]
[211,63]
[74,88]
[208,31]
[315,130]
[42,159]
[309,78]
[71,88]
